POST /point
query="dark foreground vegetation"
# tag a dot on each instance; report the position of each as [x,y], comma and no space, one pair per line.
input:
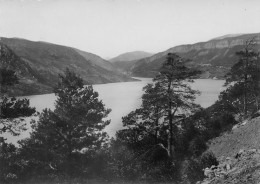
[165,140]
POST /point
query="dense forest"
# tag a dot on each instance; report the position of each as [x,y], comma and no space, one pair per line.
[165,140]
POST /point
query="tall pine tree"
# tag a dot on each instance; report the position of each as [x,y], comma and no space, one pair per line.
[61,137]
[244,78]
[173,79]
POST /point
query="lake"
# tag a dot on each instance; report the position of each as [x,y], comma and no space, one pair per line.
[124,97]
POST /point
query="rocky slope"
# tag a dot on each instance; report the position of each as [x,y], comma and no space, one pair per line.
[214,57]
[239,154]
[244,136]
[44,61]
[243,168]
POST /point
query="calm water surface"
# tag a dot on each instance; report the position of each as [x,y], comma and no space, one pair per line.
[124,97]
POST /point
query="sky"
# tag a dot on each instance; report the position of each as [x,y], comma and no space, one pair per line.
[111,27]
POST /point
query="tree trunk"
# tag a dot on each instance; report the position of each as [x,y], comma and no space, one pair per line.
[69,161]
[156,124]
[256,103]
[245,82]
[245,91]
[245,102]
[170,146]
[170,129]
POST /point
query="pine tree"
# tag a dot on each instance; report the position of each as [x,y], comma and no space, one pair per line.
[164,103]
[173,79]
[73,128]
[12,110]
[153,104]
[144,123]
[245,74]
[7,78]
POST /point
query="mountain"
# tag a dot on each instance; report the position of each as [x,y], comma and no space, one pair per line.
[130,56]
[214,57]
[226,36]
[124,61]
[29,80]
[39,63]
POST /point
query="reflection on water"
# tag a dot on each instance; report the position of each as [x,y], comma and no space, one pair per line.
[125,97]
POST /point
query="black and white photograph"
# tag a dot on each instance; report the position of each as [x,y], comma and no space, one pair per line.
[129,91]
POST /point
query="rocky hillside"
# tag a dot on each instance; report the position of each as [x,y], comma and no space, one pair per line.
[44,61]
[239,154]
[214,57]
[244,136]
[243,168]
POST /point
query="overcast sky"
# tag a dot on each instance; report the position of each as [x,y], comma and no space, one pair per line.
[111,27]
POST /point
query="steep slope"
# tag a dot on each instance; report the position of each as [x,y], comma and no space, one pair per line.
[29,80]
[96,60]
[244,137]
[214,57]
[242,169]
[239,155]
[48,60]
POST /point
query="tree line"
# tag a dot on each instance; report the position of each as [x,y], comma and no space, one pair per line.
[165,140]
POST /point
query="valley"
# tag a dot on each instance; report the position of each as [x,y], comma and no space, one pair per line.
[129,112]
[129,92]
[38,64]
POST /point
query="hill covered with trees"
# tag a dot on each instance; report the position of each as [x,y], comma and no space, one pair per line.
[38,63]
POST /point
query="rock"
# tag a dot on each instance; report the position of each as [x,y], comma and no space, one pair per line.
[252,151]
[235,127]
[209,173]
[244,123]
[222,159]
[206,171]
[221,166]
[257,114]
[228,167]
[228,158]
[241,151]
[257,156]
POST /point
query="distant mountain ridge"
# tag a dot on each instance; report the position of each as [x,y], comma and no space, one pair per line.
[226,36]
[214,57]
[44,61]
[126,60]
[130,56]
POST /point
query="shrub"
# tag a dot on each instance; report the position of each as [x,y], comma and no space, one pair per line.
[197,146]
[208,159]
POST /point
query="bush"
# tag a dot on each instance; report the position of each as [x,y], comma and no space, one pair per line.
[192,171]
[197,146]
[208,159]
